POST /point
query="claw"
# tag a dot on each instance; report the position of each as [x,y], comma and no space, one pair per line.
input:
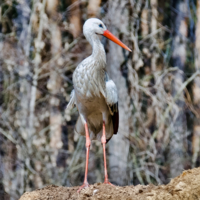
[107,182]
[85,185]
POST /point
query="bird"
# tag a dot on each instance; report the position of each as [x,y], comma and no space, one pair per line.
[95,94]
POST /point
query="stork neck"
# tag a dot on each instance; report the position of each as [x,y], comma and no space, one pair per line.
[98,52]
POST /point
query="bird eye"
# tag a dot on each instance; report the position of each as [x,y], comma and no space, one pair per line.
[100,25]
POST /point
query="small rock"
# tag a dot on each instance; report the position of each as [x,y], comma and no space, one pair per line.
[95,191]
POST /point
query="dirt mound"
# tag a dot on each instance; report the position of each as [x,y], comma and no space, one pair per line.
[185,186]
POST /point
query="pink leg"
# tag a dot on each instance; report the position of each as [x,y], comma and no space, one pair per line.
[87,144]
[103,141]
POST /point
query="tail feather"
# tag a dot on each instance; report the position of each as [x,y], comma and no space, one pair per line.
[79,127]
[115,121]
[72,101]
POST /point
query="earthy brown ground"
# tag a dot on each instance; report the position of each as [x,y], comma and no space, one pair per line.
[185,186]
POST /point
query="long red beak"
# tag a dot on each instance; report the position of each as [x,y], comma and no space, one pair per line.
[110,36]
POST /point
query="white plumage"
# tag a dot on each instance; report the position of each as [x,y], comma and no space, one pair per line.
[94,94]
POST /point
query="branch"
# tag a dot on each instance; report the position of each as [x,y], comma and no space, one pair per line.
[178,94]
[9,137]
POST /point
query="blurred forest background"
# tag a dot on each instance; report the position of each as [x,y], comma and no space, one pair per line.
[41,43]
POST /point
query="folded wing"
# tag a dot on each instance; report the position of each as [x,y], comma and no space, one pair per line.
[112,101]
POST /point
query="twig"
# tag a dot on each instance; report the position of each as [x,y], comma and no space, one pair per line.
[178,94]
[137,170]
[9,137]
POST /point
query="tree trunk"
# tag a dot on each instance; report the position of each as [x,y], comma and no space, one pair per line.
[93,8]
[54,83]
[196,92]
[119,144]
[154,16]
[178,124]
[75,18]
[144,20]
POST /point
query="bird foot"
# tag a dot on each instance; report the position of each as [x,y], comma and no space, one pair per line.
[107,182]
[85,185]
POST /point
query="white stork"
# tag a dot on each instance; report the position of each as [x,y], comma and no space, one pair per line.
[95,94]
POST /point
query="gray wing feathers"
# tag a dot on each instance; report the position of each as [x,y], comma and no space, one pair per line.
[72,101]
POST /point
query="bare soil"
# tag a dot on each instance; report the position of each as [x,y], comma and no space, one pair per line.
[185,186]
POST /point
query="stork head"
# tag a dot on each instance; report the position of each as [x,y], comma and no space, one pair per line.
[96,26]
